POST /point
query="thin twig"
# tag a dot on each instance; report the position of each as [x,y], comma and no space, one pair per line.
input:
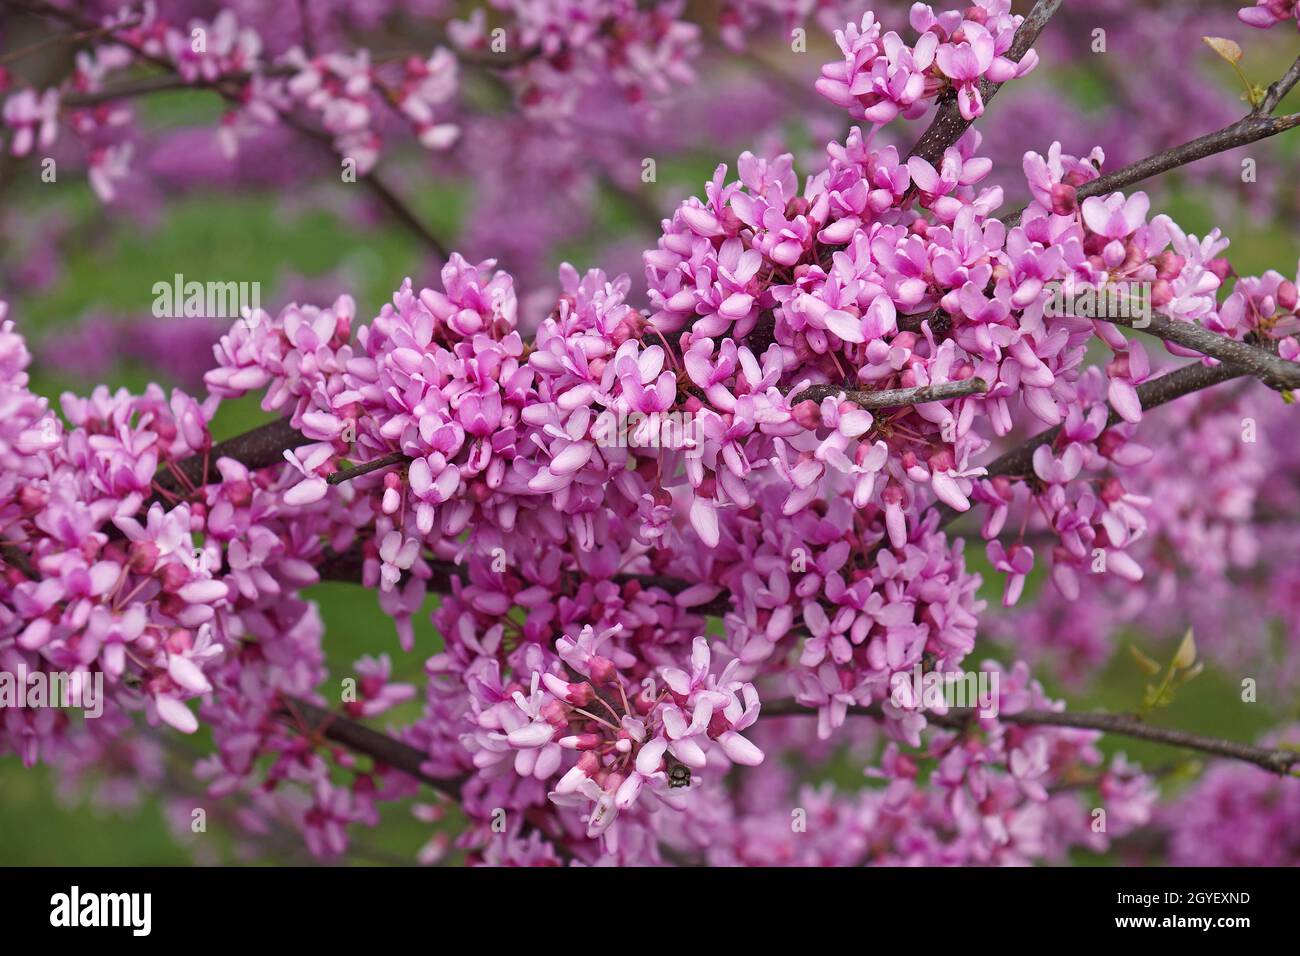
[377,745]
[1256,125]
[1273,760]
[1272,370]
[896,397]
[356,471]
[262,447]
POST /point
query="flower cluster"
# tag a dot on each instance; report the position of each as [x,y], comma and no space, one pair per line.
[343,91]
[587,495]
[989,795]
[557,50]
[881,77]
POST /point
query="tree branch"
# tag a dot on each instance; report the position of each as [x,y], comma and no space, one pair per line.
[897,397]
[262,447]
[365,740]
[1019,461]
[394,753]
[1272,370]
[1278,89]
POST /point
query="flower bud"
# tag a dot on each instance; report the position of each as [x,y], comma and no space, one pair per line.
[553,713]
[32,499]
[1169,265]
[1064,199]
[579,695]
[144,556]
[174,576]
[178,641]
[1110,442]
[602,670]
[808,414]
[1162,293]
[240,493]
[1287,296]
[1220,267]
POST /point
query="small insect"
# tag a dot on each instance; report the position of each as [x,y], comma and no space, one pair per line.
[679,775]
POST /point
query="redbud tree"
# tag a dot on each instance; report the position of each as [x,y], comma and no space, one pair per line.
[922,449]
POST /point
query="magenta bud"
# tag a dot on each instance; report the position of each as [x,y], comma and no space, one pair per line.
[942,460]
[240,493]
[174,577]
[1162,293]
[602,670]
[580,695]
[1287,295]
[808,414]
[1220,267]
[144,555]
[553,713]
[1168,265]
[32,499]
[1109,443]
[178,641]
[1064,200]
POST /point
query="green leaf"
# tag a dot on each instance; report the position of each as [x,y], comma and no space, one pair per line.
[1185,657]
[1226,48]
[1146,664]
